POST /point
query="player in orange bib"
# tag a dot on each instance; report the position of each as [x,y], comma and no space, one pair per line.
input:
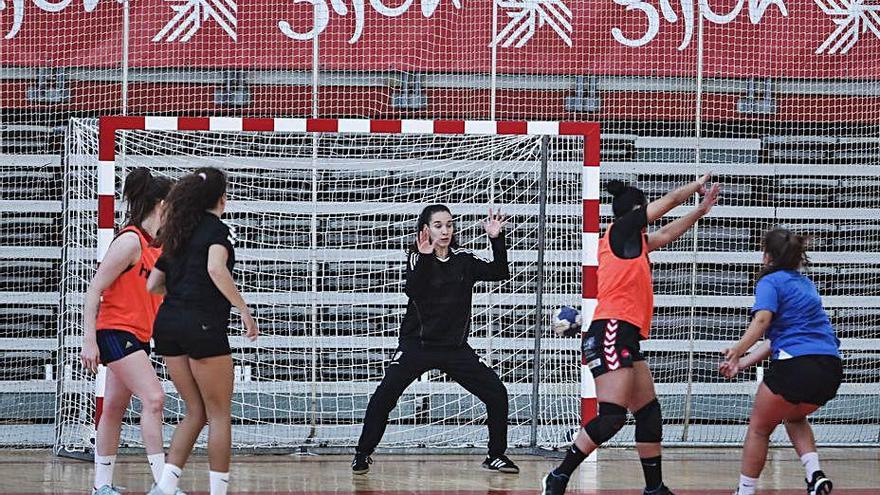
[622,319]
[118,323]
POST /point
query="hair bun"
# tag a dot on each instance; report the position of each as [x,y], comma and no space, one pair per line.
[615,187]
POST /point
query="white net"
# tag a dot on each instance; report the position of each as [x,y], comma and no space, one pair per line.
[322,225]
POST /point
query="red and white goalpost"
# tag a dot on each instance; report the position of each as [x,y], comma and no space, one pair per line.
[478,156]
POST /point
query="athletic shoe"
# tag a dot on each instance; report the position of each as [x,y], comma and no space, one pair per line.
[820,484]
[501,464]
[160,492]
[107,490]
[361,463]
[663,490]
[554,484]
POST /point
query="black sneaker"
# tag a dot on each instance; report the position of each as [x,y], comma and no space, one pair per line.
[501,464]
[663,490]
[554,484]
[361,463]
[819,485]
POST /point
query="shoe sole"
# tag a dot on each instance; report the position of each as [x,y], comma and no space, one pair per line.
[501,470]
[823,487]
[360,471]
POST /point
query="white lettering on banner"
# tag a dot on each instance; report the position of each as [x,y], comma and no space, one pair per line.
[191,14]
[526,16]
[853,19]
[47,5]
[321,14]
[757,9]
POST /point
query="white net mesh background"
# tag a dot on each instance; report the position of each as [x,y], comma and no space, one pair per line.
[323,224]
[780,98]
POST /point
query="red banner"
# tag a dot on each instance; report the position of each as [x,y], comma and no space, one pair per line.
[740,38]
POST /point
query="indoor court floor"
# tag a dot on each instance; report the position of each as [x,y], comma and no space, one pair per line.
[617,472]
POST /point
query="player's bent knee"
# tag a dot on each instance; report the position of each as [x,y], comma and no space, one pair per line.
[610,420]
[649,423]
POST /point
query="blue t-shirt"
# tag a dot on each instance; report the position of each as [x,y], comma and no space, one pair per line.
[800,325]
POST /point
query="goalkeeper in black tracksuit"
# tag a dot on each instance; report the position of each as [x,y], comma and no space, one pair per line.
[440,277]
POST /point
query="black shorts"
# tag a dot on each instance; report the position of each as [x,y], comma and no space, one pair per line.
[611,344]
[193,333]
[812,379]
[116,344]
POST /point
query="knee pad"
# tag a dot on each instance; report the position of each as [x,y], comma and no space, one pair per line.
[610,420]
[649,423]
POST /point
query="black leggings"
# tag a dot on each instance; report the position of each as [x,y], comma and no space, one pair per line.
[461,365]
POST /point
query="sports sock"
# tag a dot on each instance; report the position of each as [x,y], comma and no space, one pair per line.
[746,485]
[157,464]
[104,465]
[219,482]
[170,478]
[653,470]
[573,458]
[810,460]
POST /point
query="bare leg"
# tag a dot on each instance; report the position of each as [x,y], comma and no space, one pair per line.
[214,378]
[136,373]
[187,431]
[614,387]
[642,394]
[769,410]
[801,435]
[116,400]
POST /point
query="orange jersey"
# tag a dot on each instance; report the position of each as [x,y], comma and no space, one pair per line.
[126,304]
[626,289]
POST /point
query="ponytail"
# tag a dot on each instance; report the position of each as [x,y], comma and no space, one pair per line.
[786,250]
[142,192]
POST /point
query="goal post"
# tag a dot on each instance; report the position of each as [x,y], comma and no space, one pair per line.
[323,210]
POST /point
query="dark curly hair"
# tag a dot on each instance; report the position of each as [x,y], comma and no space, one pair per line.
[186,204]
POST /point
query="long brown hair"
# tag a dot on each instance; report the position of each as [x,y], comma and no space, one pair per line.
[142,192]
[186,205]
[787,251]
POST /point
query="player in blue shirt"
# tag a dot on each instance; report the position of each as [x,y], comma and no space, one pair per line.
[805,367]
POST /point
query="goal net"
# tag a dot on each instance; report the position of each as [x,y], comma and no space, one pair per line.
[323,222]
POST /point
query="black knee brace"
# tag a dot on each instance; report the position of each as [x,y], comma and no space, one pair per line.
[610,420]
[649,423]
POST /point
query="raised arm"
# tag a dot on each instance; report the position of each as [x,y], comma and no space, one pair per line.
[676,228]
[417,264]
[670,200]
[497,269]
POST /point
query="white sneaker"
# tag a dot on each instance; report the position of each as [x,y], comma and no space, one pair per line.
[154,490]
[106,490]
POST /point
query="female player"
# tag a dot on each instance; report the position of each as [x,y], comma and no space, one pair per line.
[803,350]
[622,319]
[118,323]
[440,278]
[195,275]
